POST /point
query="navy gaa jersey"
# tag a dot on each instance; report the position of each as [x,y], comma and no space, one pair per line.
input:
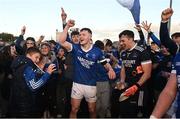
[176,68]
[132,60]
[86,63]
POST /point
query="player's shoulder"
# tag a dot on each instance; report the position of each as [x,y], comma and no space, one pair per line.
[139,48]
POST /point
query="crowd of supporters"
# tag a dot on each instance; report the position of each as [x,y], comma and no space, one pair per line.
[74,77]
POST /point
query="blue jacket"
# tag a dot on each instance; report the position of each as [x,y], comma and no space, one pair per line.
[26,96]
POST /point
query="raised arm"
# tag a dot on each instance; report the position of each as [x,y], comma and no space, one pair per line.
[63,17]
[63,35]
[147,27]
[41,38]
[18,44]
[141,35]
[23,31]
[164,32]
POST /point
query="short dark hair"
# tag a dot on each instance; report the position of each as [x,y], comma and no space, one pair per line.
[176,34]
[32,50]
[99,44]
[108,42]
[30,38]
[128,33]
[73,33]
[153,43]
[86,29]
[52,41]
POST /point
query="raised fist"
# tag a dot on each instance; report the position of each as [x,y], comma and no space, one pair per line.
[70,23]
[166,14]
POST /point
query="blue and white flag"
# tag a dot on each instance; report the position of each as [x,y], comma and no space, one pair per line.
[133,6]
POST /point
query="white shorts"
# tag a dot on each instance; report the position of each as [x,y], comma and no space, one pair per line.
[79,91]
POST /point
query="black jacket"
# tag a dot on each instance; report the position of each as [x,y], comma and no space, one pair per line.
[167,41]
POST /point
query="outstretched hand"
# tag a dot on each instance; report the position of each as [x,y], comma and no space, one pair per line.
[63,15]
[23,30]
[146,26]
[166,14]
[41,38]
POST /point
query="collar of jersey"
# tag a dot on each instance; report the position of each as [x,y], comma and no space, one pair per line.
[133,47]
[87,49]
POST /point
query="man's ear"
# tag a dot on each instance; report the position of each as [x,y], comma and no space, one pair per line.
[28,55]
[90,36]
